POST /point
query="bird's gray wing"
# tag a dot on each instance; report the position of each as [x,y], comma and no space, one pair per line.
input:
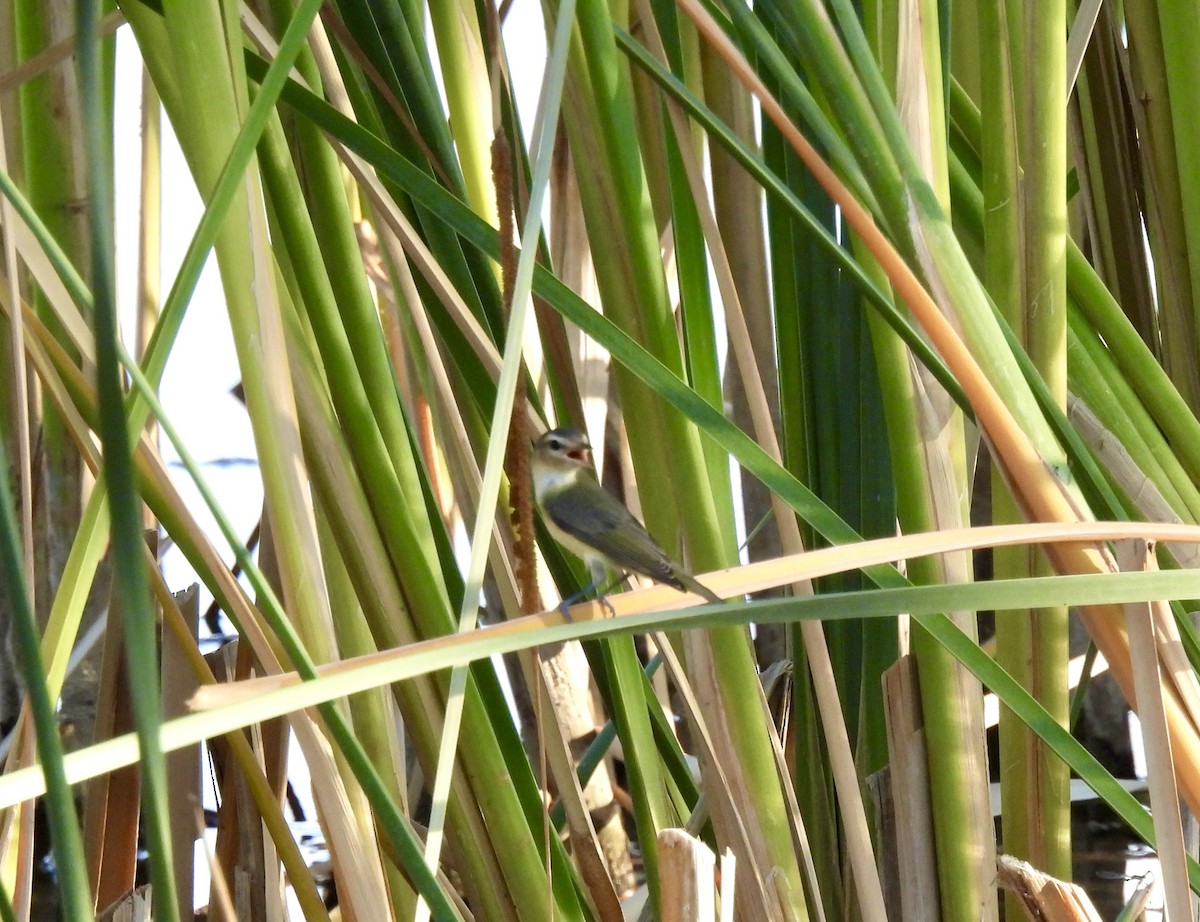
[588,513]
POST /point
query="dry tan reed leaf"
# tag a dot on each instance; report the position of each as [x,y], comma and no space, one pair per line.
[1174,660]
[1141,617]
[555,744]
[909,778]
[840,558]
[768,685]
[686,883]
[135,906]
[1079,38]
[1120,465]
[56,295]
[1043,898]
[727,805]
[755,577]
[49,57]
[912,87]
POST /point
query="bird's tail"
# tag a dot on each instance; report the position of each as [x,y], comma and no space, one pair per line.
[691,584]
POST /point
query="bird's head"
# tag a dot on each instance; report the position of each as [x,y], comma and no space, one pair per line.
[562,451]
[560,458]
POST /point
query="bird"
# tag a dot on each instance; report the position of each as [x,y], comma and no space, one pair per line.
[593,524]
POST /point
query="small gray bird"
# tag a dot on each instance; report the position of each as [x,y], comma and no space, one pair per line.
[589,522]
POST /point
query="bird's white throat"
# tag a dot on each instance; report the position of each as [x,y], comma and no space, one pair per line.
[550,480]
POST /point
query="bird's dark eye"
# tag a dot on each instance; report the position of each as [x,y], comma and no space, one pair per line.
[555,444]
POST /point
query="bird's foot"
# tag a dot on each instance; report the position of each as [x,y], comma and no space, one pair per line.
[564,607]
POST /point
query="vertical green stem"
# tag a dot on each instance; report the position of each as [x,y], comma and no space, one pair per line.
[54,179]
[66,840]
[1031,290]
[130,587]
[929,454]
[1162,65]
[1180,31]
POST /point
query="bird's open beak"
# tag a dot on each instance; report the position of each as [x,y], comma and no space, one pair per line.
[580,454]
